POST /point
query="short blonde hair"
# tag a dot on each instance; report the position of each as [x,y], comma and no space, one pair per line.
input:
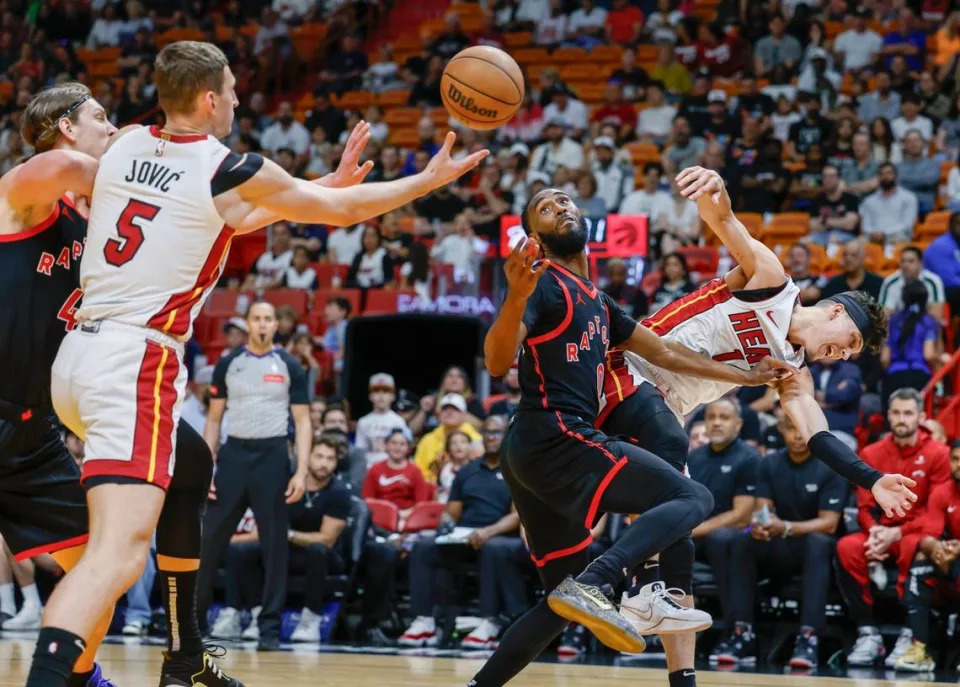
[184,70]
[38,127]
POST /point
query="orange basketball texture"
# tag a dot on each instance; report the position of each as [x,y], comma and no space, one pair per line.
[482,87]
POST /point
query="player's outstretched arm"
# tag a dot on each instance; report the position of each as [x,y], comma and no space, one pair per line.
[301,201]
[760,265]
[674,356]
[508,331]
[45,177]
[891,491]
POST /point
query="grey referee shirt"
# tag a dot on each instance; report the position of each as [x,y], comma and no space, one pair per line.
[259,390]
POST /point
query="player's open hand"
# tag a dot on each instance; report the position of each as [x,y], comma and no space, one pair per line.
[770,370]
[349,172]
[442,168]
[707,188]
[893,495]
[522,273]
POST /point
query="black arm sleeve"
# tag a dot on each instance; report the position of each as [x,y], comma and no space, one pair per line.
[233,171]
[842,460]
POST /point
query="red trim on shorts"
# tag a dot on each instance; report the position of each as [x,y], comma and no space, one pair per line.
[51,548]
[569,551]
[705,298]
[156,132]
[175,316]
[35,229]
[592,291]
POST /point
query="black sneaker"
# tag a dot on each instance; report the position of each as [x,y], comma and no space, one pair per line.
[739,648]
[199,670]
[268,642]
[805,650]
[375,637]
[589,606]
[574,641]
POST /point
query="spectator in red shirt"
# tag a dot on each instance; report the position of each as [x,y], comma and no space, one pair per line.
[909,450]
[397,479]
[614,111]
[624,22]
[722,54]
[936,567]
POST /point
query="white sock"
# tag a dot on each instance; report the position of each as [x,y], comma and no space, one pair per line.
[31,596]
[8,604]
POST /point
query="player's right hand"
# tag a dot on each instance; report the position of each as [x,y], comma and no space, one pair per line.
[522,276]
[892,493]
[442,168]
[706,187]
[771,370]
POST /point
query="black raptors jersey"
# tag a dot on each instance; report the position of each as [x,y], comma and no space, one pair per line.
[40,283]
[570,326]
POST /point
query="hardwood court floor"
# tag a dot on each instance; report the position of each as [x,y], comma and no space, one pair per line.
[138,666]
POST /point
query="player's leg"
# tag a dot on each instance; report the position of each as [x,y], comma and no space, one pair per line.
[917,600]
[8,603]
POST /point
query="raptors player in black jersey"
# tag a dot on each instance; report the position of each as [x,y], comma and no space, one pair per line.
[562,472]
[42,504]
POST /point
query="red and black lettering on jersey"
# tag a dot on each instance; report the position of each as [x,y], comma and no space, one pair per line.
[570,327]
[40,283]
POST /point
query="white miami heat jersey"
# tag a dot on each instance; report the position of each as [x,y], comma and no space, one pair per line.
[155,242]
[738,328]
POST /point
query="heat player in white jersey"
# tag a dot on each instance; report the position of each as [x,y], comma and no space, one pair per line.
[752,312]
[165,205]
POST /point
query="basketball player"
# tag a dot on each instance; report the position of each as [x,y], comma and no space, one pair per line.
[164,208]
[752,312]
[562,472]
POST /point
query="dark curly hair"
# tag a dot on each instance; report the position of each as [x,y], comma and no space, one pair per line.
[876,334]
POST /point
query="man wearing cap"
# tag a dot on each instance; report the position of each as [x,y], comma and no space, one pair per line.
[194,410]
[614,182]
[557,150]
[373,428]
[453,409]
[720,126]
[859,46]
[235,330]
[566,108]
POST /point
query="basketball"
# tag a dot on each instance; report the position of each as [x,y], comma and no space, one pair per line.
[482,87]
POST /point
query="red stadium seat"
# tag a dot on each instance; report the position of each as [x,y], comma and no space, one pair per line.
[321,296]
[384,301]
[384,514]
[295,298]
[701,259]
[222,303]
[425,516]
[326,271]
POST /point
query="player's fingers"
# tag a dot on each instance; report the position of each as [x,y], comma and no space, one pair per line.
[472,160]
[448,142]
[907,482]
[686,175]
[361,172]
[541,268]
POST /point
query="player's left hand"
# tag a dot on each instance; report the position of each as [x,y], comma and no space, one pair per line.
[348,173]
[893,495]
[698,183]
[296,487]
[442,168]
[770,370]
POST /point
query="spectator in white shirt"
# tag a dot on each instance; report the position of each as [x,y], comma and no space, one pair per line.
[300,275]
[270,267]
[552,30]
[911,269]
[286,132]
[649,200]
[532,12]
[384,74]
[910,118]
[271,28]
[556,151]
[614,182]
[344,244]
[568,109]
[783,118]
[655,120]
[888,214]
[664,17]
[293,10]
[379,130]
[372,268]
[677,223]
[461,248]
[859,46]
[106,29]
[587,25]
[953,189]
[374,427]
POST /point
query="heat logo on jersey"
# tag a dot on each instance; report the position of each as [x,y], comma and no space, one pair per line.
[573,350]
[750,334]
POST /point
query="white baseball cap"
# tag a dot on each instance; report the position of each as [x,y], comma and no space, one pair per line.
[382,380]
[455,400]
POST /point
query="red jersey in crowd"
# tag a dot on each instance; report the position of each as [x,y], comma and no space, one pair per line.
[926,461]
[402,486]
[942,519]
[616,114]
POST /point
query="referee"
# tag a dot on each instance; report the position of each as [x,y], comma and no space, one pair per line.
[261,385]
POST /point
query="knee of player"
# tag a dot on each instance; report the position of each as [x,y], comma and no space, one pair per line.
[702,498]
[850,549]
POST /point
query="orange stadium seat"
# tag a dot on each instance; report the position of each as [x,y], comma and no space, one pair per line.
[405,138]
[563,56]
[394,98]
[643,152]
[579,72]
[355,100]
[606,53]
[402,117]
[753,221]
[518,39]
[525,56]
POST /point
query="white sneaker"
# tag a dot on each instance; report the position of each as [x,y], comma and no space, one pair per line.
[868,649]
[308,629]
[422,632]
[253,629]
[878,575]
[904,641]
[26,620]
[137,628]
[655,611]
[227,624]
[484,635]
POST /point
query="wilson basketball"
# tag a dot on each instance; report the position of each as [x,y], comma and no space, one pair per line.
[482,87]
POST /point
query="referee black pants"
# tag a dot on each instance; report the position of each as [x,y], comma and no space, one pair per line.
[251,473]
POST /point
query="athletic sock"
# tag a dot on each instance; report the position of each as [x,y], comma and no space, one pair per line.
[683,678]
[8,603]
[180,601]
[80,679]
[31,595]
[56,653]
[644,574]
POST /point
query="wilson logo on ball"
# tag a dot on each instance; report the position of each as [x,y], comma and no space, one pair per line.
[468,105]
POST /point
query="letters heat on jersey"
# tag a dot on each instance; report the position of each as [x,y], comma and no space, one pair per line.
[753,341]
[593,328]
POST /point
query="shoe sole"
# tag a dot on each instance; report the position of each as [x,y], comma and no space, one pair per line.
[727,659]
[611,635]
[667,626]
[801,663]
[916,669]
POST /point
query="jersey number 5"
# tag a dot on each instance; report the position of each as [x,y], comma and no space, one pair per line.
[119,252]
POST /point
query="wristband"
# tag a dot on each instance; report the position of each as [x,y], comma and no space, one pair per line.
[840,458]
[787,529]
